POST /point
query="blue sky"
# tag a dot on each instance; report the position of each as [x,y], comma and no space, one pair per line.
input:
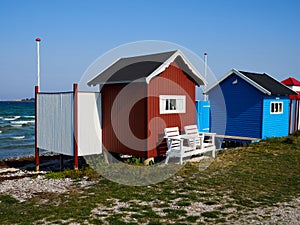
[261,36]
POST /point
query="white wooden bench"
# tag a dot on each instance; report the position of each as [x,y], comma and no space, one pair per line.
[205,141]
[195,144]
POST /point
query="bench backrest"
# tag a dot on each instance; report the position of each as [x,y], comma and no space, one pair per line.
[193,129]
[169,133]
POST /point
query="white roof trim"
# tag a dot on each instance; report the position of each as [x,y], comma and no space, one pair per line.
[165,64]
[235,71]
[192,68]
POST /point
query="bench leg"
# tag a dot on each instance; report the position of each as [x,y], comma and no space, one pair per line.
[167,160]
[213,153]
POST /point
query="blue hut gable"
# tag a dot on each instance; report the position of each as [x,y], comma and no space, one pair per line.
[255,105]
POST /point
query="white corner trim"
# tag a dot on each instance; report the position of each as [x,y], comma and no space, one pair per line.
[190,65]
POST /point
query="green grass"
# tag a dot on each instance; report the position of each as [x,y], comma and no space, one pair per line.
[211,214]
[261,174]
[74,174]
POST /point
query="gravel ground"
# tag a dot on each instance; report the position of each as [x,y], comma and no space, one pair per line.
[23,185]
[283,213]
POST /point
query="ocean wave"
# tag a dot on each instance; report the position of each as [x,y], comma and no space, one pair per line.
[23,122]
[11,118]
[0,131]
[18,137]
[28,116]
[16,125]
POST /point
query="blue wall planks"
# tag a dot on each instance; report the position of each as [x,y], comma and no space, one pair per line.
[275,125]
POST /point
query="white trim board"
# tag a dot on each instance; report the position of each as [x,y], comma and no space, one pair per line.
[165,65]
[236,72]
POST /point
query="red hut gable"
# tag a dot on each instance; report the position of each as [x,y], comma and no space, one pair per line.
[294,84]
[141,96]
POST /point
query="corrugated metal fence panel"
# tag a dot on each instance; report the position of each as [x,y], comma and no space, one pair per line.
[295,126]
[293,116]
[55,122]
[89,124]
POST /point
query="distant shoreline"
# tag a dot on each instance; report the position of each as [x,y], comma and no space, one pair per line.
[19,100]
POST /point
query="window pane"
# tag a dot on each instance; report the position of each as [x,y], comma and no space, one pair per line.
[280,107]
[173,104]
[180,104]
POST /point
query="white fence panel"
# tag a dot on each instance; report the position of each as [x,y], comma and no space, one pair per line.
[55,122]
[89,124]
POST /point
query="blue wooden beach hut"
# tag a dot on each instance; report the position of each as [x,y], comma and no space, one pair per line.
[255,105]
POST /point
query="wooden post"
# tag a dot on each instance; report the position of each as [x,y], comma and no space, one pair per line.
[75,89]
[37,156]
[61,162]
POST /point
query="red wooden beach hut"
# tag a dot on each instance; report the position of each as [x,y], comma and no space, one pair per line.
[142,95]
[294,84]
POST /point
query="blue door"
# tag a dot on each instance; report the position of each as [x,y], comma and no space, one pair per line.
[203,116]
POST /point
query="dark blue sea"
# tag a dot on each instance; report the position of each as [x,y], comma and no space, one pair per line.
[17,122]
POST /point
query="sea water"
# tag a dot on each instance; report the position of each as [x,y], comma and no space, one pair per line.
[17,126]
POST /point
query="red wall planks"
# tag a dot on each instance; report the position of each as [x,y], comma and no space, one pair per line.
[124,121]
[173,81]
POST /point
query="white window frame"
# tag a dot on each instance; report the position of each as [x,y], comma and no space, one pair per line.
[275,108]
[166,102]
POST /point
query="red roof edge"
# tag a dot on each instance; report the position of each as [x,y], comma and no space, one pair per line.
[295,96]
[291,82]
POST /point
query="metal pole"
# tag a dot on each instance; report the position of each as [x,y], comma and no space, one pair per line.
[38,60]
[205,65]
[205,76]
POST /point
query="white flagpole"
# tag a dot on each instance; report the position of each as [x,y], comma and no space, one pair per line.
[38,60]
